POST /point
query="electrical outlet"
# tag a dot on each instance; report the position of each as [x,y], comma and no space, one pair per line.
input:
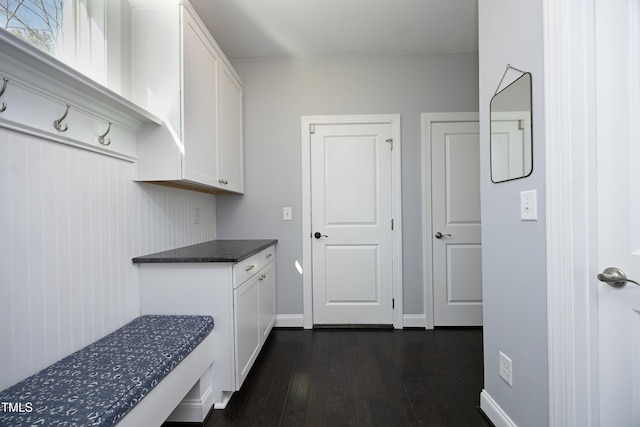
[196,215]
[286,213]
[505,368]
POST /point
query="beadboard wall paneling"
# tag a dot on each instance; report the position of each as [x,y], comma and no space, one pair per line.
[168,217]
[70,222]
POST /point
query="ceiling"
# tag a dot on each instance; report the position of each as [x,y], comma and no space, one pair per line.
[309,28]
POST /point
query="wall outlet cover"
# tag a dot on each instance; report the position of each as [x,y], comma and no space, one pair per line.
[505,368]
[286,213]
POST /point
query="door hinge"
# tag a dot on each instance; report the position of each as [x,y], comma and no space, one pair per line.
[312,128]
[390,141]
[392,224]
[393,303]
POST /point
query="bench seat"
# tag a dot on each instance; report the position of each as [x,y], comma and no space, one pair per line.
[101,383]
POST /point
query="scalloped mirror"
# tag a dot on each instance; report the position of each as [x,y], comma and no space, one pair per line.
[511,131]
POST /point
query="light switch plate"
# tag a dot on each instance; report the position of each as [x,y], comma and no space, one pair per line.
[286,213]
[529,205]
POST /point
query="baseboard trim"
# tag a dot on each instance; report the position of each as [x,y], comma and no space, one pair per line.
[494,412]
[289,321]
[297,321]
[413,321]
[193,410]
[226,397]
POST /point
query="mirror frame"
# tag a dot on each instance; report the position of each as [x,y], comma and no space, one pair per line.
[491,142]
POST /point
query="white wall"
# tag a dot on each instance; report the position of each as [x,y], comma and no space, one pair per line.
[279,91]
[70,222]
[514,252]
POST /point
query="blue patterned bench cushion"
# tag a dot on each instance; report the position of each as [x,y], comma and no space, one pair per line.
[99,384]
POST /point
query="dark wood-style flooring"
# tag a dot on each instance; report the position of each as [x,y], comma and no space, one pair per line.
[347,377]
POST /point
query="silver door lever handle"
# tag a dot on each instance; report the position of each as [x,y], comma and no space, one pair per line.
[439,235]
[615,277]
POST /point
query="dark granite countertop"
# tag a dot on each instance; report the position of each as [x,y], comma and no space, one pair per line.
[213,251]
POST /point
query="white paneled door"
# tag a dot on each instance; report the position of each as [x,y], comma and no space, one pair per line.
[351,182]
[455,210]
[618,189]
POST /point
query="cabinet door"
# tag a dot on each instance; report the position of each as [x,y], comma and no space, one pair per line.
[247,321]
[230,133]
[267,300]
[199,80]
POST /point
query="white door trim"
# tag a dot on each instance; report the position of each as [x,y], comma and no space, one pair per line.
[569,34]
[428,119]
[396,208]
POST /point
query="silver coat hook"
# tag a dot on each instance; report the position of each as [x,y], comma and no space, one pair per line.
[4,87]
[102,137]
[58,123]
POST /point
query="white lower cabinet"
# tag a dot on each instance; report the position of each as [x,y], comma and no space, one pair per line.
[267,301]
[246,312]
[241,299]
[254,315]
[254,311]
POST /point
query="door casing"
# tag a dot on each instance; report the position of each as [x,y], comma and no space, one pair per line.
[396,187]
[570,150]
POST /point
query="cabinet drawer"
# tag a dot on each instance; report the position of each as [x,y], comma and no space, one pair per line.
[244,270]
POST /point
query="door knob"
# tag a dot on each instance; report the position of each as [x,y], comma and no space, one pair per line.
[615,277]
[439,235]
[317,235]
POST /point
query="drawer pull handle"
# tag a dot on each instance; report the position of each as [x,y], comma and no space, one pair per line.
[249,267]
[269,256]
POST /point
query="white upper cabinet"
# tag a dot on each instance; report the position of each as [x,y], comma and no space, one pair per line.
[230,146]
[180,74]
[199,105]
